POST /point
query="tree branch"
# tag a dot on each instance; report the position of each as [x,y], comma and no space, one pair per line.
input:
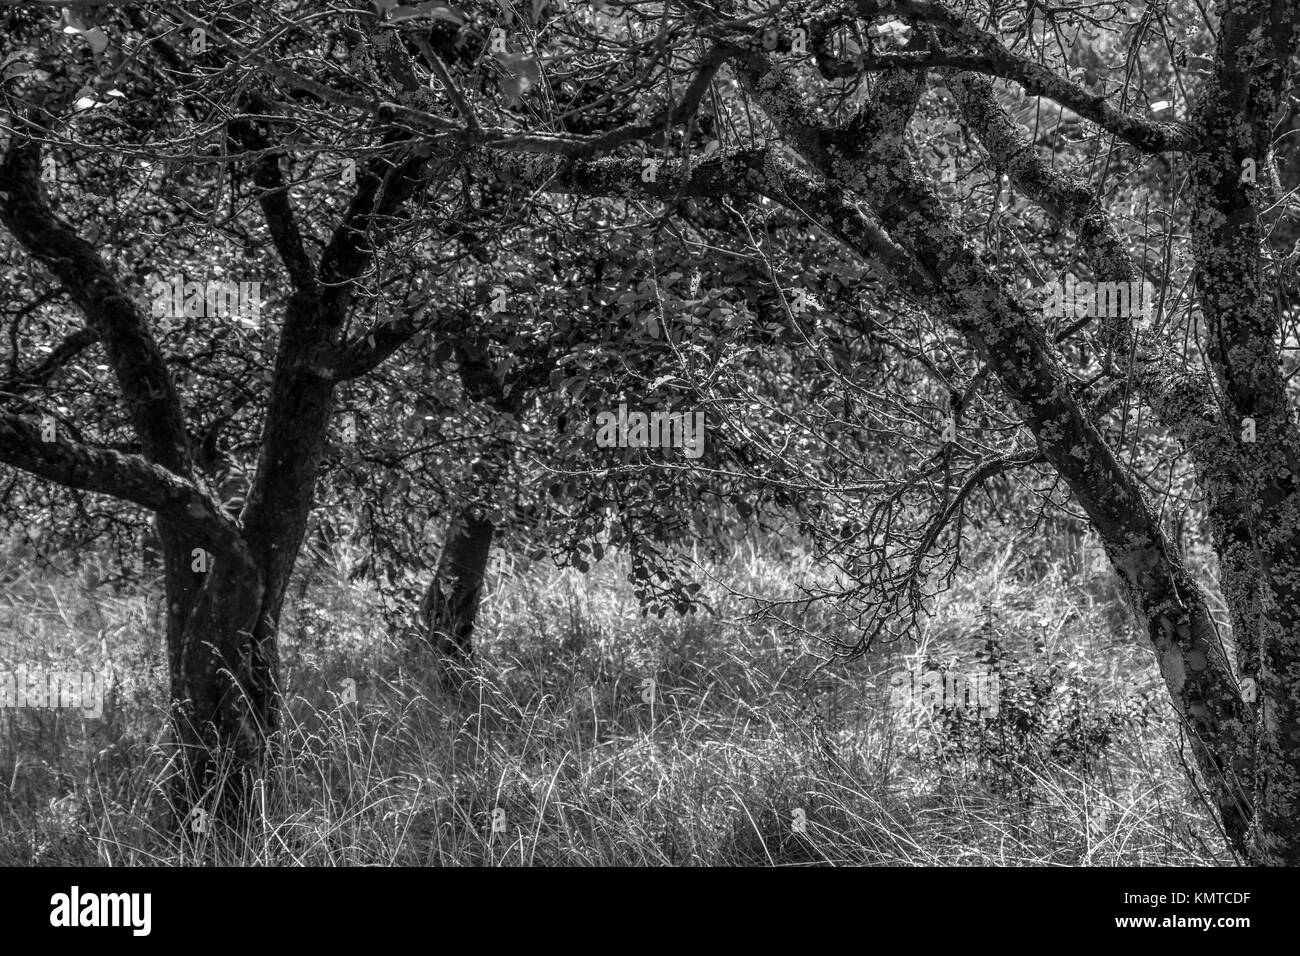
[141,372]
[273,197]
[992,58]
[128,477]
[41,373]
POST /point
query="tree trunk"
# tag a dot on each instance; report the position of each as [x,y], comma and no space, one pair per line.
[955,282]
[151,549]
[225,581]
[1237,117]
[223,676]
[450,605]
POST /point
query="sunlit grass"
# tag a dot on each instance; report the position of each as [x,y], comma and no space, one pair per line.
[560,736]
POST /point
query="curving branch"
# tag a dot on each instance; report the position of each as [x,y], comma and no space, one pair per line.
[1002,331]
[273,197]
[142,375]
[1149,136]
[42,372]
[367,352]
[981,52]
[1182,397]
[128,477]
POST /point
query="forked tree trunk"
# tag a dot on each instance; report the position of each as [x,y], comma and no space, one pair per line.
[450,605]
[221,619]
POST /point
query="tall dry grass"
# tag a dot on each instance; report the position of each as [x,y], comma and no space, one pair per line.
[557,733]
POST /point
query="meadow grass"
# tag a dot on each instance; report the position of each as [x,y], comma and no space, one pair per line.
[560,739]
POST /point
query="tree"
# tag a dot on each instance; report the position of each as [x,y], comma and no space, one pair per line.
[226,578]
[814,107]
[857,181]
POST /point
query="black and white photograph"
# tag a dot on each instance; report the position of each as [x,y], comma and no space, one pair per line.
[767,435]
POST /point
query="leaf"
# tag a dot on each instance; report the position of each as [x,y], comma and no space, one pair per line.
[514,89]
[97,39]
[895,30]
[521,64]
[14,67]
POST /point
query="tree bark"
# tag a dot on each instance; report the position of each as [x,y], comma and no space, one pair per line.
[1236,119]
[224,682]
[221,618]
[867,158]
[451,602]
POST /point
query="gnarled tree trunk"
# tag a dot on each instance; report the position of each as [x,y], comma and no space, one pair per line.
[224,685]
[225,580]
